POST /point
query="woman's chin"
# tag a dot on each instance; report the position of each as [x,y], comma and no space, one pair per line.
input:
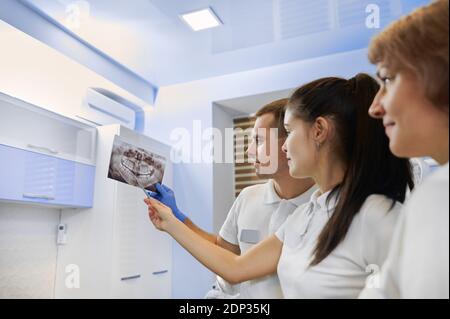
[400,150]
[293,171]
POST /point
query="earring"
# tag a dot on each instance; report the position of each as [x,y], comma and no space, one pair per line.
[318,145]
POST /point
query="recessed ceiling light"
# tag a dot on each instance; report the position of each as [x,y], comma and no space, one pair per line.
[202,19]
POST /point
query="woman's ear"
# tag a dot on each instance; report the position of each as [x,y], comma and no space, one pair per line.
[321,130]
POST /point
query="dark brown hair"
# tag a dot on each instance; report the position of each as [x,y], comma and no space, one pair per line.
[360,142]
[419,43]
[277,108]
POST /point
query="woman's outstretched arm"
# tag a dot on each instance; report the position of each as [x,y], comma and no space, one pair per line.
[259,261]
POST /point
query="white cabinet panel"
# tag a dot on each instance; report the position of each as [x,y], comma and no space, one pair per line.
[119,252]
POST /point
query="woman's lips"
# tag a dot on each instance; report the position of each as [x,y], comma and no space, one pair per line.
[388,122]
[388,127]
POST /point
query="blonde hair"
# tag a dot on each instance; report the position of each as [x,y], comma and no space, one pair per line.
[418,43]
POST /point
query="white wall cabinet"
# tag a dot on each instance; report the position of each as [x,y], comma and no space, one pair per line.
[113,247]
[25,126]
[45,158]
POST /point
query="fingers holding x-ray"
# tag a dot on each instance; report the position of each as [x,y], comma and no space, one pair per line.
[158,213]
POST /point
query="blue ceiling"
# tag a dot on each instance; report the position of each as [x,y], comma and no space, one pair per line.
[148,37]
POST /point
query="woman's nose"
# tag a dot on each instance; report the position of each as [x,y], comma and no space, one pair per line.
[283,148]
[376,110]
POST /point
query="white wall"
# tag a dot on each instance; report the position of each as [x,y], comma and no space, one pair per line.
[223,174]
[31,20]
[27,251]
[40,75]
[177,106]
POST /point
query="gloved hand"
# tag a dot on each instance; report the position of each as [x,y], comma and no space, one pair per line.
[166,196]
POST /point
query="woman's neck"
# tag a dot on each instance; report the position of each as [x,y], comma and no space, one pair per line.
[440,152]
[288,187]
[330,175]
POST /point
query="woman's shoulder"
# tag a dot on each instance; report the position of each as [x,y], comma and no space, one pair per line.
[432,195]
[377,209]
[436,182]
[378,203]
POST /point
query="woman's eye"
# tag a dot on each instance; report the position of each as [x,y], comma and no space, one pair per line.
[386,80]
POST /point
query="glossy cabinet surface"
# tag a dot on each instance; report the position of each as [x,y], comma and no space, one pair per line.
[43,179]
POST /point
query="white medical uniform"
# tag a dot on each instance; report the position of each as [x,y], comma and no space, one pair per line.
[258,213]
[344,272]
[418,263]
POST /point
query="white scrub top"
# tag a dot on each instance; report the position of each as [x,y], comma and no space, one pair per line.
[344,272]
[258,213]
[418,263]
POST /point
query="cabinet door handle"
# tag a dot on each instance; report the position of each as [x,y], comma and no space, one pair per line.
[38,196]
[160,272]
[42,148]
[130,277]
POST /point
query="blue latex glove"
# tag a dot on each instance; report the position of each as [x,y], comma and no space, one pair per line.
[166,196]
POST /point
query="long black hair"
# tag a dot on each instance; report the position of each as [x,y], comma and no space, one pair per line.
[360,143]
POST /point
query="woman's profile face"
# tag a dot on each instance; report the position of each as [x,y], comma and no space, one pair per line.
[409,118]
[299,147]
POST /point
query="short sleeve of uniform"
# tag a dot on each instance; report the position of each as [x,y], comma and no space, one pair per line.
[281,232]
[229,230]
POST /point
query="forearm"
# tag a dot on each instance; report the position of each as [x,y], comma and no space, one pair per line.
[220,261]
[212,238]
[261,260]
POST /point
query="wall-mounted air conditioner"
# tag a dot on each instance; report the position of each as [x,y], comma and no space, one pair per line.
[103,107]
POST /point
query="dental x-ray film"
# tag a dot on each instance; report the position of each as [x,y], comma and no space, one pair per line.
[135,166]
